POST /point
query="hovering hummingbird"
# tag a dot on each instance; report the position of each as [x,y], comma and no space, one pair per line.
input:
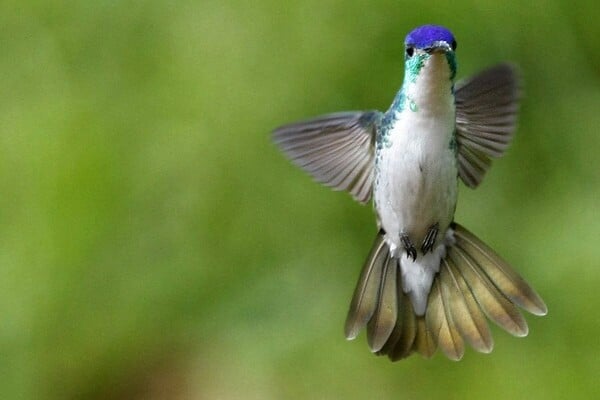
[428,282]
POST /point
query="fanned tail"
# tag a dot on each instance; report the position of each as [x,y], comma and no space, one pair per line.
[473,283]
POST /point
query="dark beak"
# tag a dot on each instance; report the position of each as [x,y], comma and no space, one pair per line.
[439,47]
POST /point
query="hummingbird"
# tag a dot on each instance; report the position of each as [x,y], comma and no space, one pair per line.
[428,282]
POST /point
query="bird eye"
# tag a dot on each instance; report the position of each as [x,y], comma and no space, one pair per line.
[410,51]
[453,44]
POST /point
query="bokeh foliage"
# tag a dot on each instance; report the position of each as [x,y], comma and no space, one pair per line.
[155,244]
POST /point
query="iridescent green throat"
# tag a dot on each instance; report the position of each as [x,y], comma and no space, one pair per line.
[414,65]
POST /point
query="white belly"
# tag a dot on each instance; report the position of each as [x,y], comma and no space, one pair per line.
[416,175]
[416,178]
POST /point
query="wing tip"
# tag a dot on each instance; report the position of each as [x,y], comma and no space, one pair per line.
[335,149]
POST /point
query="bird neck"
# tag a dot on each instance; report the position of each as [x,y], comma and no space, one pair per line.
[428,86]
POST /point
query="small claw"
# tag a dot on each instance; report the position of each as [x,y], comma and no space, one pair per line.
[412,252]
[430,238]
[408,246]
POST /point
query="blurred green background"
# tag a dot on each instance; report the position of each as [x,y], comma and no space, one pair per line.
[154,244]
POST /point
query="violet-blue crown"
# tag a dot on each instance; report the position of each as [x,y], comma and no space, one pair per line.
[424,36]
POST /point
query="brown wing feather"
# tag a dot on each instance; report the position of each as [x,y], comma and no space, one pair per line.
[336,149]
[486,115]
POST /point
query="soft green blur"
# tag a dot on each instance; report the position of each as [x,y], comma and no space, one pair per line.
[154,244]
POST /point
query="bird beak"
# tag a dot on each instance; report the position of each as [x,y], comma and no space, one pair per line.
[439,47]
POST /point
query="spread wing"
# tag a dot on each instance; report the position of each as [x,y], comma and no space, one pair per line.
[336,149]
[486,113]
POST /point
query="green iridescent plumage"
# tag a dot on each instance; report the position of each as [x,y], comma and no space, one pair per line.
[413,66]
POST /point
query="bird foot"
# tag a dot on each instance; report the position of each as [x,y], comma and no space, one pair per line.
[430,238]
[408,246]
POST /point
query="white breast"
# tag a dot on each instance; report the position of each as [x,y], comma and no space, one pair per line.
[416,182]
[416,178]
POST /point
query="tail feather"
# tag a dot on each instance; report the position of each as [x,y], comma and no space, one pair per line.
[440,323]
[382,323]
[424,343]
[366,294]
[436,316]
[493,303]
[451,341]
[500,273]
[401,340]
[473,282]
[470,320]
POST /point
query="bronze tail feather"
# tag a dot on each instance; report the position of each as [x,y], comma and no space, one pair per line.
[473,283]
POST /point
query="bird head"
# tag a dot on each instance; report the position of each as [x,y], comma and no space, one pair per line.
[427,46]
